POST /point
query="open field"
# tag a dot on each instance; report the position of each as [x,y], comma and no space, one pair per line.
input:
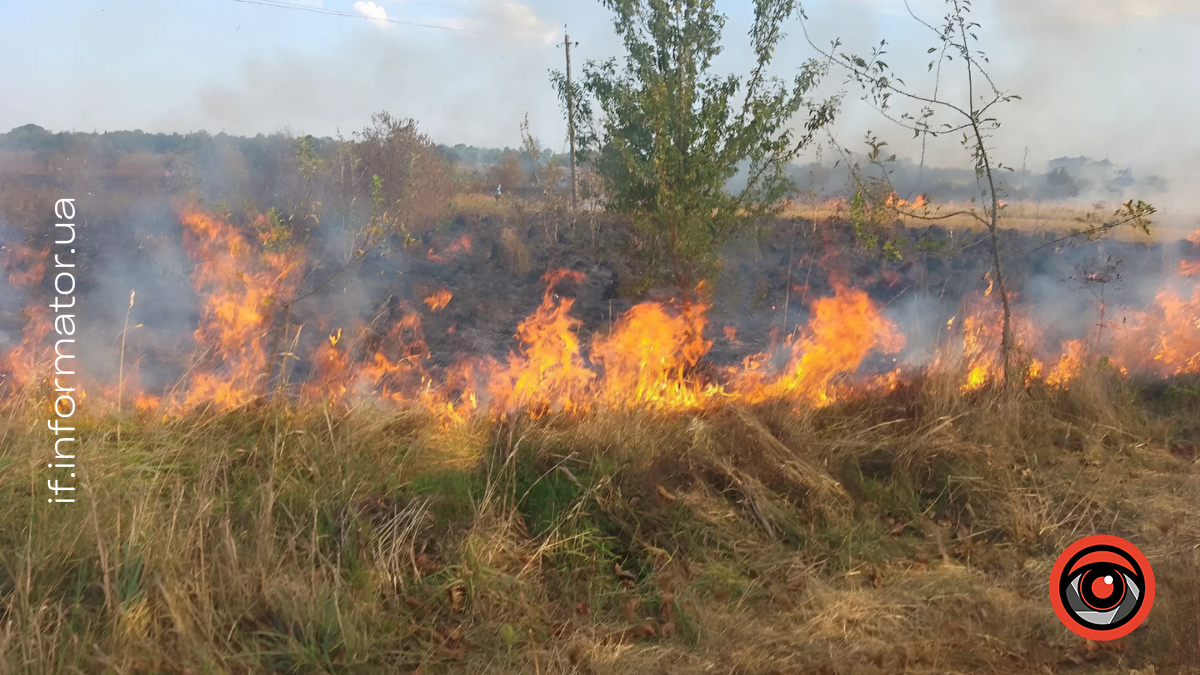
[1024,216]
[1027,217]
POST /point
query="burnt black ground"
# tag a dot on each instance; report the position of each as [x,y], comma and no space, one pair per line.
[763,288]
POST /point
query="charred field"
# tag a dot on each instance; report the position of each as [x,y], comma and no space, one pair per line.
[494,448]
[721,385]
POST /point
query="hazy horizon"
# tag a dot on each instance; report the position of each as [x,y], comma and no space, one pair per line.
[1095,80]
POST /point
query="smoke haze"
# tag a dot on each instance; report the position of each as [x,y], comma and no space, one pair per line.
[1103,79]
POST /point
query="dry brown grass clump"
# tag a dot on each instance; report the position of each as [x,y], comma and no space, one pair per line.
[906,533]
[514,253]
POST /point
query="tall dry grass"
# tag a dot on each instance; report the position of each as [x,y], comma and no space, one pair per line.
[910,532]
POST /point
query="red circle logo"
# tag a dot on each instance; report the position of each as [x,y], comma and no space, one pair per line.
[1102,587]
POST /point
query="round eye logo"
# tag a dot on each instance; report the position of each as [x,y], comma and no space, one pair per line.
[1102,587]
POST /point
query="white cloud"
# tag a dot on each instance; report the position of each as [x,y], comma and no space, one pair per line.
[1104,11]
[1117,10]
[930,10]
[508,19]
[1092,11]
[377,15]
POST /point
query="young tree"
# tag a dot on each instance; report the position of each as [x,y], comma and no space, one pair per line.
[410,181]
[673,133]
[956,37]
[509,171]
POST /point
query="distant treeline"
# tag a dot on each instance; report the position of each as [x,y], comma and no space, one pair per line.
[110,144]
[388,170]
[473,167]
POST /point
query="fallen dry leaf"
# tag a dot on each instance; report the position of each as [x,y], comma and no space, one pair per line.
[666,608]
[447,653]
[662,492]
[644,630]
[629,611]
[424,564]
[623,574]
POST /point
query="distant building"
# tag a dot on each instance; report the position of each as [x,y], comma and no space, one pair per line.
[1097,173]
[1072,165]
[1123,179]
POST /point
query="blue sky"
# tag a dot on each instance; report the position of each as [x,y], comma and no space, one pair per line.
[1115,78]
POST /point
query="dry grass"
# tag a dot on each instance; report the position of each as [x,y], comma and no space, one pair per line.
[485,205]
[912,533]
[1028,217]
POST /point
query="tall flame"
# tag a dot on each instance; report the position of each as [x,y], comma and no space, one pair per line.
[652,356]
[844,330]
[548,372]
[649,354]
[241,290]
[27,268]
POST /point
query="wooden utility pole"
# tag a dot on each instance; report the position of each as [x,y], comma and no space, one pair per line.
[1023,174]
[571,123]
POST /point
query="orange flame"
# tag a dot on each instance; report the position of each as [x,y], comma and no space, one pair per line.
[548,372]
[649,354]
[28,268]
[241,291]
[439,299]
[844,329]
[1069,366]
[456,247]
[896,202]
[653,356]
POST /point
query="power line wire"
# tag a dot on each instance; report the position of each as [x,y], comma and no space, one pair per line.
[333,12]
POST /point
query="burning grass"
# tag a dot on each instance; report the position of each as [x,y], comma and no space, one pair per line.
[603,501]
[907,532]
[248,343]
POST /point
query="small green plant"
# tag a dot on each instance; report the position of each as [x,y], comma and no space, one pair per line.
[871,210]
[274,231]
[508,634]
[382,218]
